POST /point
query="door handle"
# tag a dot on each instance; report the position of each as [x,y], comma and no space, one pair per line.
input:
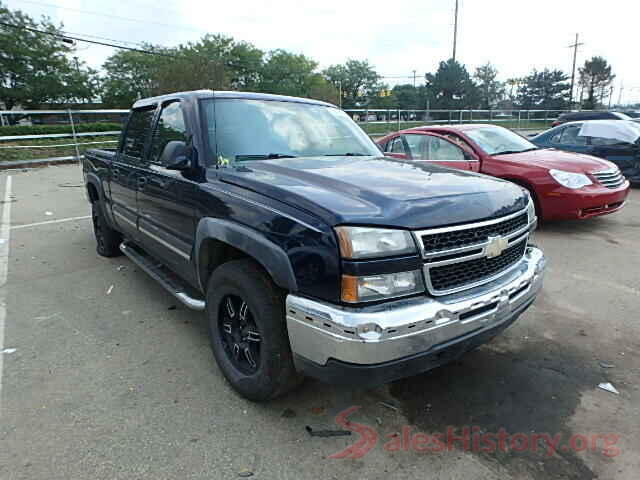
[142,181]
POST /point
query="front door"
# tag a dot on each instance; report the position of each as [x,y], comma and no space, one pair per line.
[625,155]
[436,149]
[166,197]
[125,170]
[569,138]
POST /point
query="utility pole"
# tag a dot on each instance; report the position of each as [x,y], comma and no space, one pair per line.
[414,79]
[573,70]
[455,31]
[610,96]
[620,94]
[340,94]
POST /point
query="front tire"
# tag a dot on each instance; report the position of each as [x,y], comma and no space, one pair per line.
[107,239]
[247,330]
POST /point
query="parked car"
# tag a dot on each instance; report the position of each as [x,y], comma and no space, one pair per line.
[311,253]
[618,142]
[564,185]
[580,116]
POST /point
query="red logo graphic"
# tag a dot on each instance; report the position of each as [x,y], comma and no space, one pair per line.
[368,436]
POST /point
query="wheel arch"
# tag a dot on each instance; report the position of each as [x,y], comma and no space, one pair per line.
[218,241]
[94,188]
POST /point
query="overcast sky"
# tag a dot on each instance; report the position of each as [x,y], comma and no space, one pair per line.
[396,36]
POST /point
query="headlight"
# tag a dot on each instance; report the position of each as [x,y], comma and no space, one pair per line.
[379,287]
[569,179]
[365,242]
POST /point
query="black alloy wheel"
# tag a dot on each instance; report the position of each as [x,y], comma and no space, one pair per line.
[239,334]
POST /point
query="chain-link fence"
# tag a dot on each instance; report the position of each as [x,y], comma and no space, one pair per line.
[379,122]
[38,135]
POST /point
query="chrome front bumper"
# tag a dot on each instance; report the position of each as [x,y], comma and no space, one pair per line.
[386,332]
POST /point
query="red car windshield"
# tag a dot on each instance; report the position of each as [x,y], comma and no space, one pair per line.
[499,141]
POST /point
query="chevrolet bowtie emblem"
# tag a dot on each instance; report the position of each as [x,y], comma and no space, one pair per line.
[496,246]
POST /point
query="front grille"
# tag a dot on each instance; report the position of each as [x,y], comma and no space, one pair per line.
[611,178]
[448,240]
[456,275]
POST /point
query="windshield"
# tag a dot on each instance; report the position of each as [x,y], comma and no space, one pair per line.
[498,140]
[244,130]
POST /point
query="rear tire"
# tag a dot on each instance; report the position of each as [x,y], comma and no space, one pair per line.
[108,240]
[247,330]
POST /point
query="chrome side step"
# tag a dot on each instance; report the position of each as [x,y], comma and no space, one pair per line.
[159,273]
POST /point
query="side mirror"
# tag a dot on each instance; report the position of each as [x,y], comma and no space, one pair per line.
[468,155]
[174,156]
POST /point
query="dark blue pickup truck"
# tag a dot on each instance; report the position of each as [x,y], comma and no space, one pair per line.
[311,253]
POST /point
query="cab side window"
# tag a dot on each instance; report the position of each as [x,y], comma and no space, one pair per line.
[137,132]
[170,127]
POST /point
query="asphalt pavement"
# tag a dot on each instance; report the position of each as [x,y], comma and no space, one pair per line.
[105,376]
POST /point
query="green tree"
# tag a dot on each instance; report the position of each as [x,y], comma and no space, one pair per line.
[36,68]
[490,89]
[320,88]
[241,61]
[190,69]
[357,80]
[408,97]
[595,78]
[545,90]
[130,76]
[452,87]
[287,73]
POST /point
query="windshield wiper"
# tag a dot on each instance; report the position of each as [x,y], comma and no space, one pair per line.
[265,156]
[508,152]
[348,154]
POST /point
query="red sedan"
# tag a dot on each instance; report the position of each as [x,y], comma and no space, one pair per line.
[564,185]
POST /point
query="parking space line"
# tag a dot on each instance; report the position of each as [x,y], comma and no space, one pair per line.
[5,231]
[48,222]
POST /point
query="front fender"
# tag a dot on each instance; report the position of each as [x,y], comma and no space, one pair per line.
[273,258]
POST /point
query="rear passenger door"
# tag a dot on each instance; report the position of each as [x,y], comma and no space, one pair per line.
[166,197]
[125,171]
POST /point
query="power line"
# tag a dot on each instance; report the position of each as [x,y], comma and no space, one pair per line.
[70,39]
[116,17]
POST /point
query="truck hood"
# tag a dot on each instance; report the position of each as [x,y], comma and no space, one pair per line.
[548,158]
[378,190]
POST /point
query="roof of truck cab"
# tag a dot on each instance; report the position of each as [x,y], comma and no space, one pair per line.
[145,102]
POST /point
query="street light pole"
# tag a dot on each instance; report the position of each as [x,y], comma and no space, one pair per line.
[573,71]
[455,31]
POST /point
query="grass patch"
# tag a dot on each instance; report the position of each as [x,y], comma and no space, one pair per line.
[51,149]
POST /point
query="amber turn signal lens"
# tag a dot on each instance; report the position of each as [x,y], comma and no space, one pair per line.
[346,249]
[349,289]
